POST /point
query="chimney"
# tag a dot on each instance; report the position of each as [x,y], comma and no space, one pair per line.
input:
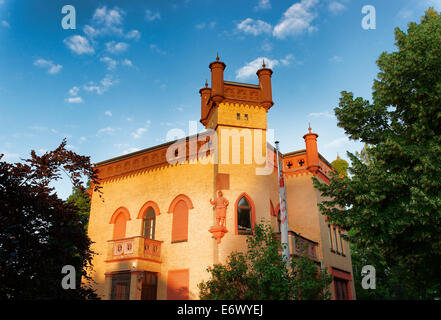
[264,75]
[312,155]
[217,80]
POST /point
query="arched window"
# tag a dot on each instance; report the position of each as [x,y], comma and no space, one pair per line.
[149,224]
[179,207]
[119,220]
[244,215]
[180,222]
[119,230]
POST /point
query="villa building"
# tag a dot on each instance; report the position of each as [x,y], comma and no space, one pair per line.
[156,230]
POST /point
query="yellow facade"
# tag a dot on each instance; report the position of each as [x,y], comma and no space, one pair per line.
[133,180]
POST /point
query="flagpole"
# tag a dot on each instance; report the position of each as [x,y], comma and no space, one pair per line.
[283,209]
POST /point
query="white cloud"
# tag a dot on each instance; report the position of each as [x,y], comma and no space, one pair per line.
[138,133]
[296,20]
[79,45]
[249,69]
[91,32]
[336,7]
[287,60]
[152,16]
[156,49]
[104,85]
[325,114]
[110,18]
[107,130]
[127,63]
[74,97]
[104,22]
[254,27]
[111,64]
[51,67]
[134,34]
[74,91]
[74,100]
[204,25]
[5,24]
[116,47]
[263,5]
[108,113]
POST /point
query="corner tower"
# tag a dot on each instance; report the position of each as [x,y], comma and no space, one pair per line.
[235,104]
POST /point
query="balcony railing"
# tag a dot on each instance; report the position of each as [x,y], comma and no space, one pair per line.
[299,245]
[134,248]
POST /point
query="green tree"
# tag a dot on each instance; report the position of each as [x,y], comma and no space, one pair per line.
[39,232]
[81,199]
[392,203]
[341,166]
[261,274]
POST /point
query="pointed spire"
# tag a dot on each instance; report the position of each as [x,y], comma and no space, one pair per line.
[206,83]
[309,128]
[217,56]
[263,63]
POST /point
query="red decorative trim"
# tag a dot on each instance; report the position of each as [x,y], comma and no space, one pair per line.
[253,211]
[277,210]
[179,198]
[122,210]
[146,206]
[341,274]
[132,258]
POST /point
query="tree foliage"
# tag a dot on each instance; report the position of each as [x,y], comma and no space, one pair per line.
[261,274]
[341,166]
[81,199]
[392,203]
[40,233]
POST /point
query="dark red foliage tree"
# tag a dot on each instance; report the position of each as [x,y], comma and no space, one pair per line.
[39,232]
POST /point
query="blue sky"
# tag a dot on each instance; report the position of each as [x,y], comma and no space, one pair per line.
[131,70]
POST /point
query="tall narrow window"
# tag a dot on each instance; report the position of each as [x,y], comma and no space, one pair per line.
[180,222]
[149,224]
[119,229]
[244,217]
[331,243]
[341,242]
[336,241]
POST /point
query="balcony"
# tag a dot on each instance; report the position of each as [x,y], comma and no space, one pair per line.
[302,246]
[134,248]
[299,245]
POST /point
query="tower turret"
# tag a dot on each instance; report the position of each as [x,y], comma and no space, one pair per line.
[217,80]
[264,75]
[312,155]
